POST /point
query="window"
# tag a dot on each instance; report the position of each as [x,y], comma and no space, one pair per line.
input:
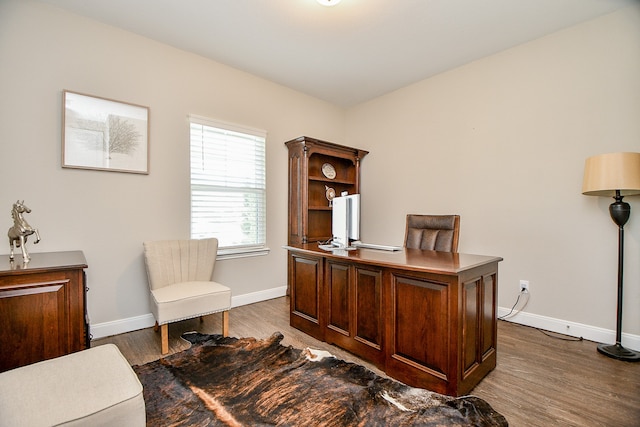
[228,186]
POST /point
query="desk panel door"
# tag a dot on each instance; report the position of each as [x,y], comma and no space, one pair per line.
[339,300]
[478,329]
[419,331]
[305,284]
[367,313]
[354,309]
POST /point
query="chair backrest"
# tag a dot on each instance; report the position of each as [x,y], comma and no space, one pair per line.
[174,261]
[432,232]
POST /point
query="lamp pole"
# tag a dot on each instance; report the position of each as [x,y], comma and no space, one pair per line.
[620,212]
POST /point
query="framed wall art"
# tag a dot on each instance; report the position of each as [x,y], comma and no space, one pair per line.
[103,134]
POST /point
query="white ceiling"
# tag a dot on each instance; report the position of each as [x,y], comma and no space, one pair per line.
[348,53]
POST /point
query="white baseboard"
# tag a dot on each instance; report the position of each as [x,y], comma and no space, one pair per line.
[591,333]
[254,297]
[107,329]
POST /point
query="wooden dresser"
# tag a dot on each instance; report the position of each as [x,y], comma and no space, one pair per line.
[42,307]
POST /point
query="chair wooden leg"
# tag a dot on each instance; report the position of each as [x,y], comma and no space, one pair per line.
[225,323]
[156,327]
[164,337]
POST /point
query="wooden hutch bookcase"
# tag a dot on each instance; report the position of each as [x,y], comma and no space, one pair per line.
[316,170]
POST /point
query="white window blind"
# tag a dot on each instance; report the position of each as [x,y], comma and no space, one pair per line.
[228,185]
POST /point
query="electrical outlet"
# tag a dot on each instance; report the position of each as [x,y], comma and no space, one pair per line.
[524,286]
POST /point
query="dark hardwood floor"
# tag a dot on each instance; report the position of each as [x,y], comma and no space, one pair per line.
[539,381]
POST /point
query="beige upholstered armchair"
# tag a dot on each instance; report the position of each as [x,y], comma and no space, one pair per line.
[432,232]
[180,273]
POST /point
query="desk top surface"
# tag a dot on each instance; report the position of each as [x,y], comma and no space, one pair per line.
[42,261]
[413,259]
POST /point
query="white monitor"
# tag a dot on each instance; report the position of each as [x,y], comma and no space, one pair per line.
[345,220]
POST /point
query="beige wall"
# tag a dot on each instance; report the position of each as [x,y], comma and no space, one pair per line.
[502,142]
[44,50]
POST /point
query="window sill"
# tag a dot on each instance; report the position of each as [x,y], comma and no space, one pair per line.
[241,253]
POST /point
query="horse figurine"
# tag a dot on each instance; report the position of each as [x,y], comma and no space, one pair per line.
[21,230]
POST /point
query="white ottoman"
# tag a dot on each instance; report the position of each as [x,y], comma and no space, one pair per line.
[94,387]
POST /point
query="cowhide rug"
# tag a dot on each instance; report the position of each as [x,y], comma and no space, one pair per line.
[249,382]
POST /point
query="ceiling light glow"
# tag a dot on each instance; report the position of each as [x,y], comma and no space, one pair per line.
[328,2]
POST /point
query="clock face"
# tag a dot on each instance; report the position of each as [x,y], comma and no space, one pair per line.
[328,170]
[330,193]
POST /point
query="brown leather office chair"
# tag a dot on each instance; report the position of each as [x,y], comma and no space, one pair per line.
[432,232]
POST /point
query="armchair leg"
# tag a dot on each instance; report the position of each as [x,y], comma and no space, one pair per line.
[156,327]
[225,323]
[164,337]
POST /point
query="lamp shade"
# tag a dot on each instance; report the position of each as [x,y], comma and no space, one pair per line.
[606,173]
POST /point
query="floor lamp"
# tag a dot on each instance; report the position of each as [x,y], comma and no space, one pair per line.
[615,175]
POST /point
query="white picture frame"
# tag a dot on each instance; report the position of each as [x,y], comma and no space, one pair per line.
[104,134]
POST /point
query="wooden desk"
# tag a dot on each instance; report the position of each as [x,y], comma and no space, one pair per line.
[426,318]
[42,307]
